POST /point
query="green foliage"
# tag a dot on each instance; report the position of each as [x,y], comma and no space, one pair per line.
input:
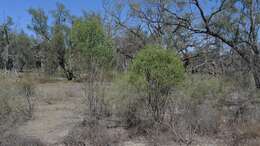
[57,50]
[39,22]
[24,53]
[147,85]
[202,87]
[156,71]
[89,37]
[61,14]
[158,66]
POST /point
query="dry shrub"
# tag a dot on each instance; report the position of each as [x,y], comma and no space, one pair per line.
[201,106]
[27,86]
[185,116]
[92,133]
[241,114]
[94,94]
[203,87]
[214,106]
[13,140]
[181,121]
[192,110]
[126,102]
[16,102]
[242,134]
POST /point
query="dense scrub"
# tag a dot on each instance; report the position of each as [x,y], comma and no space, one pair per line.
[193,107]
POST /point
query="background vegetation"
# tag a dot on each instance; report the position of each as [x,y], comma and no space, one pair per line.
[179,73]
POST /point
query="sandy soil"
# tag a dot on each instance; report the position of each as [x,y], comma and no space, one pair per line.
[57,110]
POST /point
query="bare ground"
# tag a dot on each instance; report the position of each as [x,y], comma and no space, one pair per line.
[59,107]
[57,110]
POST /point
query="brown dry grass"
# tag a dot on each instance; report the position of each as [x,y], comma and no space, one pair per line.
[60,106]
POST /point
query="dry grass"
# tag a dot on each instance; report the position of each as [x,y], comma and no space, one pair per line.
[13,140]
[14,106]
[201,112]
[96,133]
[49,112]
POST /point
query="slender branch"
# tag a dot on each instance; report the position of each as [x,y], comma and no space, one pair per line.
[202,14]
[220,9]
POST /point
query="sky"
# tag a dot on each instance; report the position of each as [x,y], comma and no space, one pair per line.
[17,9]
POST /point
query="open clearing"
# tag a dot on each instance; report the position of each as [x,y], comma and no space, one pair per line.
[57,111]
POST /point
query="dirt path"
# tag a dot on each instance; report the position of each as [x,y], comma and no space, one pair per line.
[57,110]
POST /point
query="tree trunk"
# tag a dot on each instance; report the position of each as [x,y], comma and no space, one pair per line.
[257,79]
[22,67]
[69,75]
[256,70]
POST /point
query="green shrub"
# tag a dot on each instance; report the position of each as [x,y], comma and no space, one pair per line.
[90,40]
[155,64]
[156,71]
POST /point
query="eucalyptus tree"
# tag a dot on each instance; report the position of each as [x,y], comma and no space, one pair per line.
[149,18]
[61,42]
[96,53]
[89,37]
[24,53]
[54,38]
[5,43]
[234,22]
[39,25]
